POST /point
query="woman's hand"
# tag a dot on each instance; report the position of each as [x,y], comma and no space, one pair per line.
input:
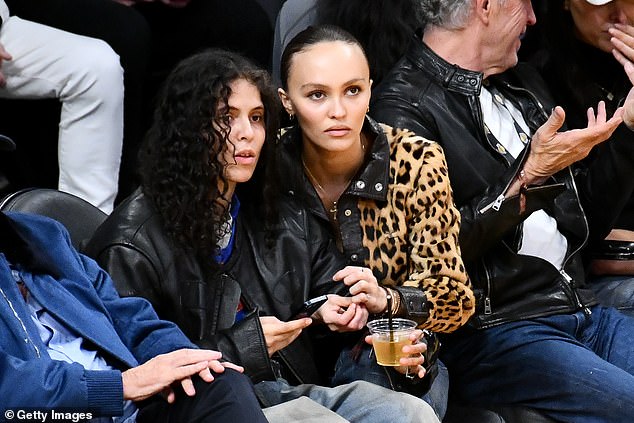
[340,314]
[278,334]
[623,42]
[364,288]
[413,363]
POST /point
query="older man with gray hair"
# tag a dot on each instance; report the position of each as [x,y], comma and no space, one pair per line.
[538,338]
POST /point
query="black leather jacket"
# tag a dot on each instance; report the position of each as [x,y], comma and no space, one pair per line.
[440,101]
[271,279]
[373,189]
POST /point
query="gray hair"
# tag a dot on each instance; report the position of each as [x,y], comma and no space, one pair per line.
[447,14]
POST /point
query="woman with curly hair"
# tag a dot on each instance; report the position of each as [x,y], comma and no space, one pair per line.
[229,275]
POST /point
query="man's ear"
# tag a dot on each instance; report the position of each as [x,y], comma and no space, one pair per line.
[483,9]
[286,101]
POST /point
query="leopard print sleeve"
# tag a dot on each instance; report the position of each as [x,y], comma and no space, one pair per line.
[413,238]
[433,226]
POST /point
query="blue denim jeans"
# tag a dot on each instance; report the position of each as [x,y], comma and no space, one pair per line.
[572,367]
[358,401]
[366,368]
[615,291]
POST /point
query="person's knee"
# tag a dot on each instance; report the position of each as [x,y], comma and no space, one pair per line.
[394,403]
[230,394]
[228,381]
[104,63]
[98,74]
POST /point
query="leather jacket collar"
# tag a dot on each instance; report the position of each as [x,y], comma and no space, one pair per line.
[371,182]
[451,76]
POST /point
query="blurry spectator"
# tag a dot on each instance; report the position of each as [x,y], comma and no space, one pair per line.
[580,69]
[85,75]
[128,34]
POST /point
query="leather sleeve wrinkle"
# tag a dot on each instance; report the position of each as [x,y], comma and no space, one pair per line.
[244,344]
[132,271]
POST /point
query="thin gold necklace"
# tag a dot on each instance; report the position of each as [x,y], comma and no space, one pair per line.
[312,177]
[333,208]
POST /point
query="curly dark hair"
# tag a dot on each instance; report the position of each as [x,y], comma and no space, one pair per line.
[179,161]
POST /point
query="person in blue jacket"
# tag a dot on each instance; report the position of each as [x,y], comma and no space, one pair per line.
[71,343]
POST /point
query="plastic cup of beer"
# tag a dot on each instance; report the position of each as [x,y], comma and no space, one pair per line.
[389,336]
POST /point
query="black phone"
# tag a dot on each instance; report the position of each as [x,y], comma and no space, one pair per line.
[309,307]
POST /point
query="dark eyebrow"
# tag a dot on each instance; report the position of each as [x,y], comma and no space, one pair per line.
[314,85]
[260,107]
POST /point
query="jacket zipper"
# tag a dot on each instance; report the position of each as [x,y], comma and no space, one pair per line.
[540,107]
[487,298]
[562,271]
[290,368]
[571,284]
[27,338]
[497,203]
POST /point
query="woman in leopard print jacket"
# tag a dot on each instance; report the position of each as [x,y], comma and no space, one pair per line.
[384,192]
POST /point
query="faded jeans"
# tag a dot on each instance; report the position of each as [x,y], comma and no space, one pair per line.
[356,402]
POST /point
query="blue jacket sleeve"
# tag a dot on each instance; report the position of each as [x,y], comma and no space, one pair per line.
[134,319]
[50,384]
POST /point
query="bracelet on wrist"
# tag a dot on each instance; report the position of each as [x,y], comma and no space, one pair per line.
[388,298]
[396,302]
